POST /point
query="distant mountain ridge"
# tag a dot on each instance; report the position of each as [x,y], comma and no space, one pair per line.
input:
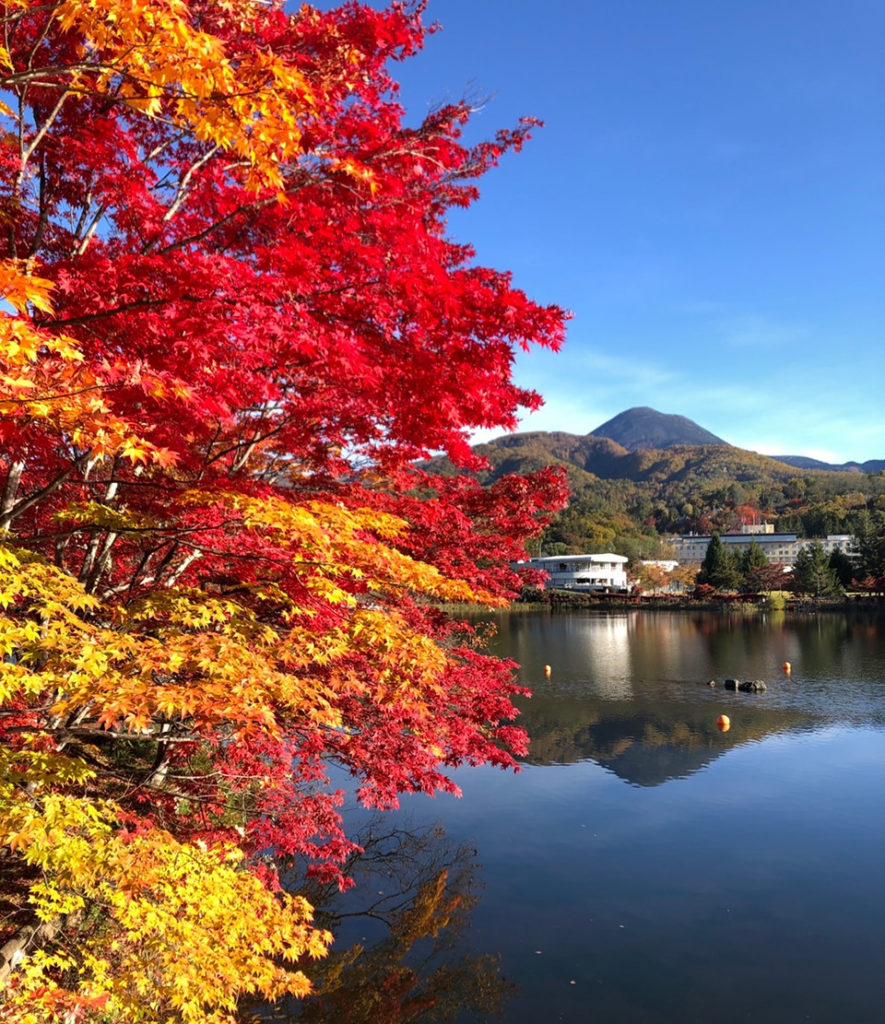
[642,428]
[590,458]
[620,450]
[803,462]
[625,496]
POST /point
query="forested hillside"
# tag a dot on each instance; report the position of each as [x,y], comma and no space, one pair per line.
[627,500]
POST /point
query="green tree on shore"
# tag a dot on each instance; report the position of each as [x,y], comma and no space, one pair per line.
[721,566]
[869,530]
[812,573]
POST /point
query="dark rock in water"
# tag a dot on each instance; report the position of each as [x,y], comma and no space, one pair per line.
[745,686]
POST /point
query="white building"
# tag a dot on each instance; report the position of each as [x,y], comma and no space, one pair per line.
[583,572]
[779,548]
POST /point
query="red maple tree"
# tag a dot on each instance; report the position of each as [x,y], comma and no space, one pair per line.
[238,323]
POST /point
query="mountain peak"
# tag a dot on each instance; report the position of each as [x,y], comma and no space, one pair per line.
[645,428]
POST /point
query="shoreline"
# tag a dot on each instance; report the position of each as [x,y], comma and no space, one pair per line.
[563,600]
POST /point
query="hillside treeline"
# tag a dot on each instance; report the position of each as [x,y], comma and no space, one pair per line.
[630,502]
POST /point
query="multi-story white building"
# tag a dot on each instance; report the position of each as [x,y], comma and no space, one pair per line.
[583,572]
[779,548]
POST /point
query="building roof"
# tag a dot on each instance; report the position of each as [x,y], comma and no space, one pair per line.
[580,558]
[748,538]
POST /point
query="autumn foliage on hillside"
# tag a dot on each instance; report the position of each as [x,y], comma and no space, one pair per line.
[233,320]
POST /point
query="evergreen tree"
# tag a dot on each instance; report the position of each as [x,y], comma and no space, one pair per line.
[812,573]
[712,561]
[751,561]
[721,566]
[843,567]
[753,558]
[870,535]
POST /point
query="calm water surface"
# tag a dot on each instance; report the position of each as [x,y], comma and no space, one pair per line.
[644,866]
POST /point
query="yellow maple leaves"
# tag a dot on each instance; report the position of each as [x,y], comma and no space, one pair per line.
[44,379]
[184,929]
[157,60]
[350,542]
[21,288]
[153,56]
[159,929]
[200,661]
[192,661]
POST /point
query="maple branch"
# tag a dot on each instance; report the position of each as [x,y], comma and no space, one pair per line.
[26,154]
[124,307]
[161,147]
[247,556]
[156,528]
[132,781]
[184,183]
[245,448]
[201,236]
[15,511]
[208,449]
[155,577]
[90,231]
[87,732]
[40,39]
[10,489]
[20,712]
[136,572]
[101,562]
[172,547]
[186,562]
[15,948]
[93,562]
[43,206]
[56,398]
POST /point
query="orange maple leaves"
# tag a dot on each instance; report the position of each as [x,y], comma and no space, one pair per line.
[204,590]
[153,56]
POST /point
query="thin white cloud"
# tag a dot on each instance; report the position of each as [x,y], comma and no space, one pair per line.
[802,429]
[775,448]
[639,374]
[753,401]
[759,332]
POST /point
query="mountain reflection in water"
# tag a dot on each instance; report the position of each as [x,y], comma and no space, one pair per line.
[632,691]
[643,867]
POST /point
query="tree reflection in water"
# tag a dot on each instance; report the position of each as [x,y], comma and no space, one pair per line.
[410,904]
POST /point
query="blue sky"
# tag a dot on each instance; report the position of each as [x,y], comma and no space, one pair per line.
[707,197]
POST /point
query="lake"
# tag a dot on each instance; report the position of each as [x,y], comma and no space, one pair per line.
[643,866]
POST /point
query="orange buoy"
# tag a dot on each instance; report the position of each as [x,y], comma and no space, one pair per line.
[787,667]
[546,670]
[724,723]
